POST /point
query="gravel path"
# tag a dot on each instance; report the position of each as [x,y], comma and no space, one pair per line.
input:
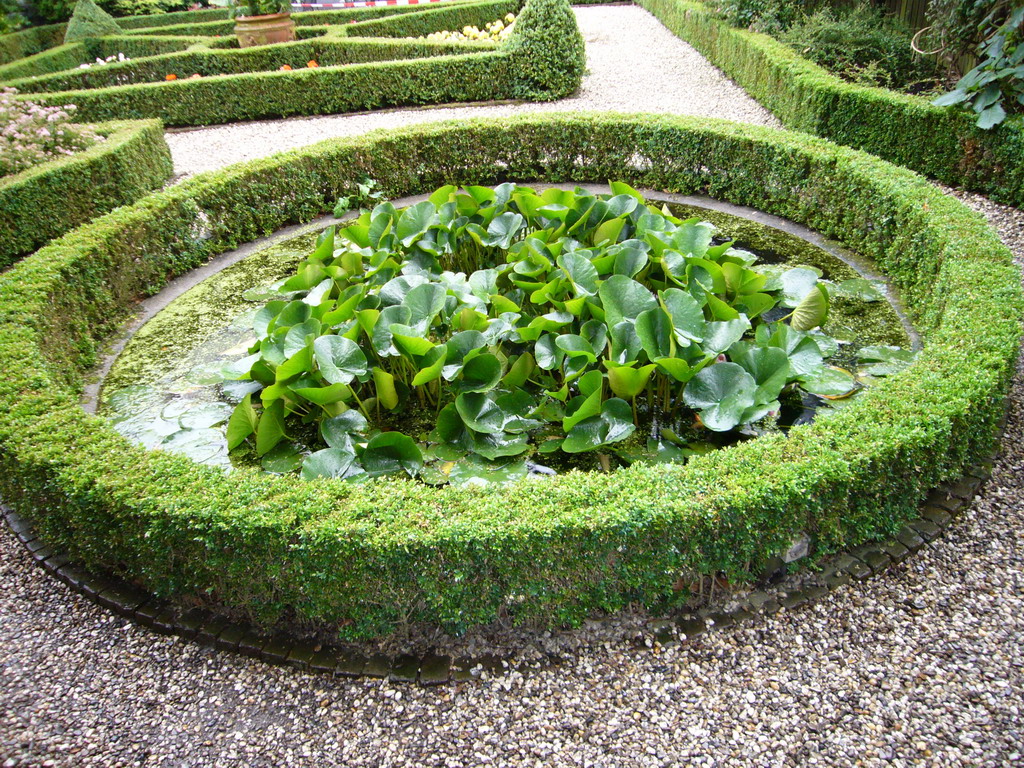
[635,65]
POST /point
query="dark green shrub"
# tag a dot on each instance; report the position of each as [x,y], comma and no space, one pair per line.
[768,16]
[862,46]
[90,21]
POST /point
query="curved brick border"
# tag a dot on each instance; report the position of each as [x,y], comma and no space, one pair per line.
[940,508]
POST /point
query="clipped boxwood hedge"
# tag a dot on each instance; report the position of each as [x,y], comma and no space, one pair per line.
[46,201]
[363,65]
[940,142]
[373,556]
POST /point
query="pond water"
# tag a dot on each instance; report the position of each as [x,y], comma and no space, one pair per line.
[164,390]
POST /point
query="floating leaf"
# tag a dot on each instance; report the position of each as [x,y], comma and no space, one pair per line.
[391,453]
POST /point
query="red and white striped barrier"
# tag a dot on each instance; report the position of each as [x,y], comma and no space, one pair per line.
[357,4]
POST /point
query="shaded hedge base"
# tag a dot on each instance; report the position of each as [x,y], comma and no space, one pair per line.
[939,511]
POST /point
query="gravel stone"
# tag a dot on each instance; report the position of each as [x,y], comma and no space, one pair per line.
[634,65]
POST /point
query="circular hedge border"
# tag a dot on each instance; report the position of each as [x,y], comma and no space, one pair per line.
[373,557]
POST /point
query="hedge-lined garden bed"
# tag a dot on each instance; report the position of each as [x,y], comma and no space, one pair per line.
[371,557]
[359,65]
[940,142]
[48,200]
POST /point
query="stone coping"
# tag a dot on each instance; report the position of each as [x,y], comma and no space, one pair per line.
[940,509]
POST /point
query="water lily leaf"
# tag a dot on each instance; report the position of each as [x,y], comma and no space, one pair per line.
[630,260]
[803,352]
[885,360]
[655,331]
[424,302]
[384,384]
[614,423]
[299,336]
[282,459]
[475,470]
[624,299]
[580,271]
[339,359]
[239,368]
[721,393]
[415,221]
[719,336]
[520,371]
[480,413]
[626,344]
[547,353]
[324,396]
[383,338]
[296,365]
[481,374]
[408,343]
[656,452]
[720,310]
[460,347]
[678,369]
[860,289]
[293,313]
[693,239]
[338,430]
[242,424]
[830,383]
[431,365]
[270,430]
[796,283]
[626,381]
[576,346]
[686,314]
[265,316]
[503,229]
[200,445]
[205,416]
[812,311]
[580,408]
[330,462]
[770,368]
[391,453]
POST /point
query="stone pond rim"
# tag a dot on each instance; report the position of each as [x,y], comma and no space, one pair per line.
[266,545]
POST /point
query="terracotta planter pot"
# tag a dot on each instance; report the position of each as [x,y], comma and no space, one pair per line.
[263,30]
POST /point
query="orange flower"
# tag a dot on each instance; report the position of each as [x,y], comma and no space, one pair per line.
[171,77]
[286,68]
[312,64]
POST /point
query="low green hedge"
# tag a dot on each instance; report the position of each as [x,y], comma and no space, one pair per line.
[28,42]
[543,59]
[48,200]
[372,557]
[940,142]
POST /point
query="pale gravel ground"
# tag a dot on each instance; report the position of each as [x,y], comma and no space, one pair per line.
[922,666]
[635,65]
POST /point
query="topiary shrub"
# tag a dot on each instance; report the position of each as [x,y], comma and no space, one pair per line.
[90,21]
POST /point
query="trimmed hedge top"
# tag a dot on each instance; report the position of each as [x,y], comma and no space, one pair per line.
[47,200]
[372,557]
[940,142]
[363,62]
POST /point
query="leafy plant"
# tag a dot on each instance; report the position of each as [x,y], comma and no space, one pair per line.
[495,324]
[244,8]
[996,85]
[31,134]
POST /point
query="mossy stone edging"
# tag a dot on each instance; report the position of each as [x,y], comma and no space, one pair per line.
[941,508]
[368,558]
[363,65]
[47,200]
[943,143]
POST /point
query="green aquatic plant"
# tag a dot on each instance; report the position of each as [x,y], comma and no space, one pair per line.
[492,325]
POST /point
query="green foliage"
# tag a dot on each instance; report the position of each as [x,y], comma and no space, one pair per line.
[372,556]
[768,16]
[525,321]
[11,18]
[355,72]
[906,130]
[997,83]
[861,45]
[90,21]
[48,200]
